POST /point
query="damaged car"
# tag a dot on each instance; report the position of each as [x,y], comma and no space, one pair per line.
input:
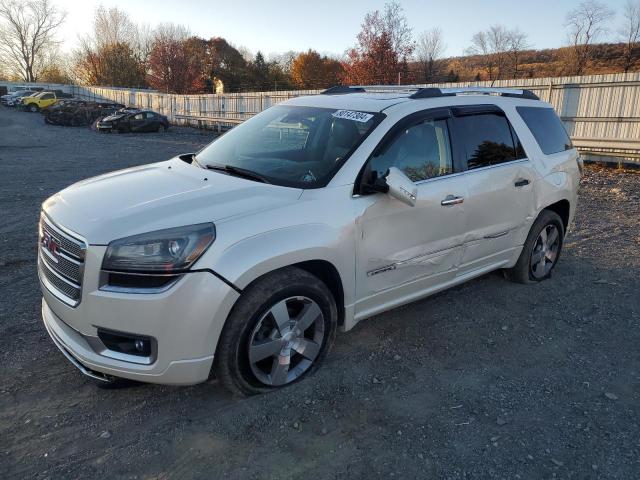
[78,113]
[243,260]
[133,120]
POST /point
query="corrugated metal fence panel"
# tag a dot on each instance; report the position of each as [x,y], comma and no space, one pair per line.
[601,110]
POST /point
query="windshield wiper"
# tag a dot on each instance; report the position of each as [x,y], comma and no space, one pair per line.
[238,172]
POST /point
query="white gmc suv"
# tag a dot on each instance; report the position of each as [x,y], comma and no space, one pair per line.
[243,260]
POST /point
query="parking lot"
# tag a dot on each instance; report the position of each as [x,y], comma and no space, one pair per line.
[488,380]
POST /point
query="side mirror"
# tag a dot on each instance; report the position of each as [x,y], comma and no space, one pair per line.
[401,187]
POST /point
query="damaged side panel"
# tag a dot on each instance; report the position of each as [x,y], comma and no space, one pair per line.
[402,248]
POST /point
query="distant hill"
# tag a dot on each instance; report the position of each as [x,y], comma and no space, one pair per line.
[606,58]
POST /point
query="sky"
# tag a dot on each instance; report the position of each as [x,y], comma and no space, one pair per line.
[331,26]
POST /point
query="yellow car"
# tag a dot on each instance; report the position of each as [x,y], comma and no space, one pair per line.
[42,100]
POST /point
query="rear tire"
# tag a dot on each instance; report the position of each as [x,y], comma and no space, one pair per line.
[278,332]
[541,250]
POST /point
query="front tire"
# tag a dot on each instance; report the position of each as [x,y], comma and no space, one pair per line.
[541,250]
[33,108]
[278,332]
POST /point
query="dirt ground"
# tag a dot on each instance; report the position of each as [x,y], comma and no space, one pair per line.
[488,380]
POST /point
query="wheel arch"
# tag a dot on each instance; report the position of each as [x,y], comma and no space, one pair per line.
[563,209]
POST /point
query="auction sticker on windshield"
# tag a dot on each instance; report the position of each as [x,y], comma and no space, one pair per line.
[355,116]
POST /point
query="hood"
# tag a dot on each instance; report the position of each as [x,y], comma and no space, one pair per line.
[156,196]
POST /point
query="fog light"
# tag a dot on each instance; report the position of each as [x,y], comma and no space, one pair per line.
[130,344]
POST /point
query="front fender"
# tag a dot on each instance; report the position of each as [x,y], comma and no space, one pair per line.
[246,260]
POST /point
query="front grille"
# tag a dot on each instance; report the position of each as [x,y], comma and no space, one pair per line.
[61,262]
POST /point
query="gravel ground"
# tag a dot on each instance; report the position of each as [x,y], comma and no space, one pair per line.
[488,380]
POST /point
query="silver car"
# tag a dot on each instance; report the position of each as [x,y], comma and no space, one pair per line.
[243,260]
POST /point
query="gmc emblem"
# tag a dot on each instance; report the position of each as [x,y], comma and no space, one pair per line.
[50,243]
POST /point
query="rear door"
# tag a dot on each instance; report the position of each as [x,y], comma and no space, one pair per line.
[138,122]
[499,181]
[153,122]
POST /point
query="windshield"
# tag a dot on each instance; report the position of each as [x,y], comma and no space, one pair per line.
[291,146]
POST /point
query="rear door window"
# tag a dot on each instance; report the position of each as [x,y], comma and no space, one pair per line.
[547,129]
[485,139]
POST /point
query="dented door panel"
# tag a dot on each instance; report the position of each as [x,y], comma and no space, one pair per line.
[499,213]
[398,244]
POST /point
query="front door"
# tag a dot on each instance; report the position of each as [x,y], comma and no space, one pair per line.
[402,251]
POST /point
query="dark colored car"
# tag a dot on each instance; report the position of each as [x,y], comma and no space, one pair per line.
[78,113]
[133,120]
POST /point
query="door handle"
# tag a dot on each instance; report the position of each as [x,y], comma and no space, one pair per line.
[521,182]
[450,200]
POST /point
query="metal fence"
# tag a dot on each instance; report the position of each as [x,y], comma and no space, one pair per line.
[601,112]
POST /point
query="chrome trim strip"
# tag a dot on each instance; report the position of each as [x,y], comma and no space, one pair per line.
[60,276]
[481,169]
[54,291]
[497,235]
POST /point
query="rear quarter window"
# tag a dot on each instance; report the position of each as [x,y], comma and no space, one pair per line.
[546,128]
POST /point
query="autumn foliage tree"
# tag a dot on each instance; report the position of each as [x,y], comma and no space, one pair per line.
[383,46]
[172,67]
[310,70]
[113,64]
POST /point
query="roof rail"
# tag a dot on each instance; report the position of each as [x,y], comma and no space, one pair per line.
[341,90]
[432,92]
[504,92]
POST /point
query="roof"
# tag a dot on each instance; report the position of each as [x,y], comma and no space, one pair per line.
[378,98]
[365,102]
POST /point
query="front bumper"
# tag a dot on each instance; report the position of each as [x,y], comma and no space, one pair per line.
[185,321]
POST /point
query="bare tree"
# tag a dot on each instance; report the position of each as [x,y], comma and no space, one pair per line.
[480,46]
[517,42]
[630,31]
[111,26]
[498,37]
[586,24]
[397,27]
[493,44]
[429,49]
[27,34]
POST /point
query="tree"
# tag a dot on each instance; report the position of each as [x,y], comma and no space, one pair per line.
[480,46]
[517,42]
[383,46]
[498,45]
[115,54]
[171,68]
[429,49]
[27,35]
[586,23]
[113,65]
[54,74]
[259,73]
[310,70]
[630,31]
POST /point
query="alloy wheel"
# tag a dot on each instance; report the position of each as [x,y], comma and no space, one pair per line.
[545,251]
[286,341]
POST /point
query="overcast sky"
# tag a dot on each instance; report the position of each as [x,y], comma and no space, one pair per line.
[330,26]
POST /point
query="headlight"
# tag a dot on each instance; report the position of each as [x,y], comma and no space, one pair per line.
[163,251]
